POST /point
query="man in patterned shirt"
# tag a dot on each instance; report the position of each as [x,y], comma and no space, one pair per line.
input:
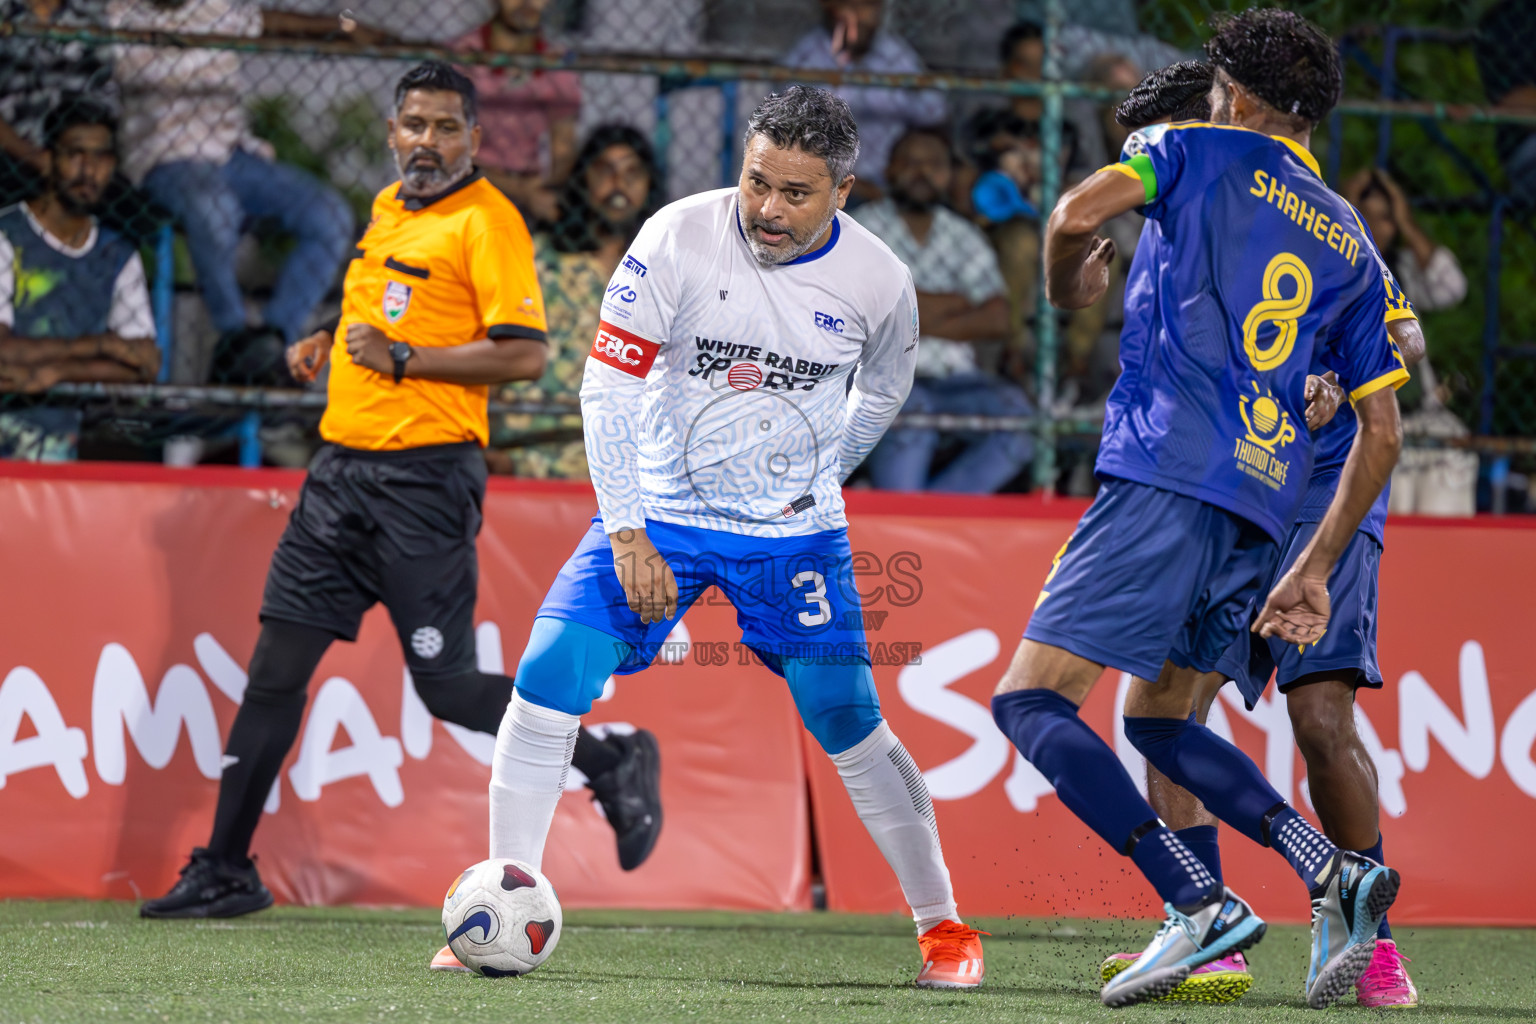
[613,188]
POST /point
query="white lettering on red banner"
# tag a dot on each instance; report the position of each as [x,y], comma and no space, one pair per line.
[622,350]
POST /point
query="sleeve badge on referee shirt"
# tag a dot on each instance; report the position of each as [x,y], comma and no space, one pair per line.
[397,299]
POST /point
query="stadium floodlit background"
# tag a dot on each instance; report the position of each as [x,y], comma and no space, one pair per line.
[1434,93]
[122,582]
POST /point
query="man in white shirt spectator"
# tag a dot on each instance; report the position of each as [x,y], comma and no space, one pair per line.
[852,39]
[73,301]
[960,300]
[186,138]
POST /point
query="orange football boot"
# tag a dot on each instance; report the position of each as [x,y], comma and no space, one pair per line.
[951,956]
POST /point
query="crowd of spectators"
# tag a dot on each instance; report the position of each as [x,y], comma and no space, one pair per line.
[101,146]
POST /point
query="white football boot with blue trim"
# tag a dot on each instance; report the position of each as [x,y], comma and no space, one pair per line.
[1353,896]
[1220,928]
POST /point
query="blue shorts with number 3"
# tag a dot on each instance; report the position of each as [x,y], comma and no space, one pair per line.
[794,596]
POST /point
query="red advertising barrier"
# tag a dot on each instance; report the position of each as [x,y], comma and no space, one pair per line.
[130,598]
[1451,732]
[130,606]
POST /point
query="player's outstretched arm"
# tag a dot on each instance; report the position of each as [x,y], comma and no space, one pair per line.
[1297,609]
[1076,260]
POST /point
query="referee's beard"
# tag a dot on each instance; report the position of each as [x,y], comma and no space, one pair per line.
[423,172]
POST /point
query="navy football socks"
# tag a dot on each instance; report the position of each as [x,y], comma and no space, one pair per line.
[1203,843]
[1092,783]
[1231,787]
[1385,931]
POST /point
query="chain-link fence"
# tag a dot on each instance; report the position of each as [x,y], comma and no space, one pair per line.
[251,142]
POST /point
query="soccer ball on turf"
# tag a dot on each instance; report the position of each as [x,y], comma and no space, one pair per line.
[502,918]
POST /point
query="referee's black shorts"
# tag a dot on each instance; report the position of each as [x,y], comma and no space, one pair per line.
[392,526]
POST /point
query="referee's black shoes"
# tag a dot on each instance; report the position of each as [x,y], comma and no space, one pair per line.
[630,795]
[211,886]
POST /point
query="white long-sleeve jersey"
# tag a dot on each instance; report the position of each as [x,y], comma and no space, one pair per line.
[717,393]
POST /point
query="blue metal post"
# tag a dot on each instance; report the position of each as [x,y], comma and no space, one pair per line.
[1491,313]
[250,440]
[1388,91]
[1050,186]
[728,101]
[663,140]
[164,298]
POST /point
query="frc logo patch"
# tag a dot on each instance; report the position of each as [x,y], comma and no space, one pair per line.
[397,299]
[623,350]
[828,322]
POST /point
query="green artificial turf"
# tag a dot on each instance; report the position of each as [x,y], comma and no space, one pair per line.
[65,962]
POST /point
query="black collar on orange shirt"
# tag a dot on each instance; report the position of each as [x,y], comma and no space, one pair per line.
[422,202]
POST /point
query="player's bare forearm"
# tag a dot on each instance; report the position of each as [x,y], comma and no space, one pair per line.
[1378,440]
[487,361]
[1076,261]
[1410,340]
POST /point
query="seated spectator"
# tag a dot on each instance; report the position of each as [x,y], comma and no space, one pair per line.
[1505,35]
[1429,273]
[188,143]
[852,39]
[529,119]
[960,301]
[1023,54]
[613,187]
[35,76]
[73,302]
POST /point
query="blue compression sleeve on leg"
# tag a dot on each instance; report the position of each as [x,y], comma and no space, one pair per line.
[1385,931]
[836,700]
[566,664]
[1231,786]
[1092,782]
[1203,842]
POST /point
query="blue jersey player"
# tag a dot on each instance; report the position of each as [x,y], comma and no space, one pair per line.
[1251,271]
[1319,681]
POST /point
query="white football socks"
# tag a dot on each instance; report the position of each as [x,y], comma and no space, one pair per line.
[533,755]
[892,799]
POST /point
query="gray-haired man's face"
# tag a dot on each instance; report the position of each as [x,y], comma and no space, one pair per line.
[788,200]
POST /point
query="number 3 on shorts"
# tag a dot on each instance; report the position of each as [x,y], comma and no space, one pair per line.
[817,597]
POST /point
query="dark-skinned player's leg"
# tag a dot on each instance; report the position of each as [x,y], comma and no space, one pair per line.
[1341,777]
[1219,981]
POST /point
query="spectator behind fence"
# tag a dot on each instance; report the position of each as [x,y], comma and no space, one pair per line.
[1023,56]
[1506,36]
[73,303]
[612,190]
[187,140]
[852,39]
[960,300]
[529,117]
[35,75]
[1429,273]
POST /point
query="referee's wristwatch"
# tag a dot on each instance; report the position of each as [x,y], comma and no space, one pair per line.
[399,351]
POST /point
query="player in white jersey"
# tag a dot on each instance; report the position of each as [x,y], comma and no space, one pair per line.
[755,343]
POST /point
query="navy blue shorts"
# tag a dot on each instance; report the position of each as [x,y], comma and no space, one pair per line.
[1349,642]
[1151,576]
[794,596]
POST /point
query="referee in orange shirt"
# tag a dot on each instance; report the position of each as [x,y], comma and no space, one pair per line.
[441,301]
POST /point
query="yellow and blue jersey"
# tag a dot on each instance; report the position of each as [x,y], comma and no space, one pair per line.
[1334,440]
[1249,271]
